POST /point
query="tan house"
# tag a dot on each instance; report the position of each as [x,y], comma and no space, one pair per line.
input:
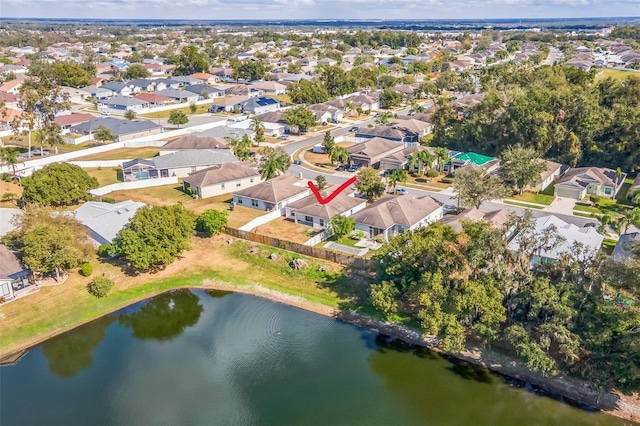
[15,280]
[392,215]
[370,152]
[206,78]
[582,181]
[401,159]
[274,194]
[308,211]
[221,179]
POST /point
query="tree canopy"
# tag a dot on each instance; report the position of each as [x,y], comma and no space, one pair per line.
[300,117]
[58,184]
[369,183]
[178,118]
[155,236]
[474,187]
[521,166]
[135,71]
[273,161]
[308,92]
[191,61]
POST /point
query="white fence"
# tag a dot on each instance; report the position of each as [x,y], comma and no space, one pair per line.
[261,220]
[99,163]
[317,239]
[28,167]
[352,139]
[77,141]
[134,185]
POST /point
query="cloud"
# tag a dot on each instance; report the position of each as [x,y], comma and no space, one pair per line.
[317,9]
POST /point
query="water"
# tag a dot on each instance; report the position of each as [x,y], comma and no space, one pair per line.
[212,358]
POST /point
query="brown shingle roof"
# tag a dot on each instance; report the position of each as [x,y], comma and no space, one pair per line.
[196,142]
[274,190]
[582,176]
[220,173]
[341,204]
[375,147]
[405,210]
[73,118]
[152,97]
[9,263]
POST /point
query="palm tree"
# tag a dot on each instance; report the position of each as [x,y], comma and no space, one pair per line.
[258,127]
[349,106]
[10,157]
[442,156]
[273,161]
[605,220]
[384,118]
[630,217]
[240,147]
[396,176]
[338,154]
[423,159]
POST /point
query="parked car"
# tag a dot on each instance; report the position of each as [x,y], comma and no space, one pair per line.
[354,129]
[341,168]
[401,191]
[283,137]
[448,208]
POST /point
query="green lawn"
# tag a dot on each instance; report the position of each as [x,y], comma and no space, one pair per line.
[587,209]
[534,197]
[529,206]
[122,153]
[347,241]
[607,246]
[106,175]
[165,114]
[619,75]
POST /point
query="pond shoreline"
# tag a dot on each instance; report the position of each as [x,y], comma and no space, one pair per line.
[577,391]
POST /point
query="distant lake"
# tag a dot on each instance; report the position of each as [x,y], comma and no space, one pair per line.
[215,358]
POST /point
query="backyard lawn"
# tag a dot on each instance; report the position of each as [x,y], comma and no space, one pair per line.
[12,188]
[122,153]
[186,109]
[286,230]
[106,175]
[346,240]
[171,194]
[535,197]
[619,75]
[608,245]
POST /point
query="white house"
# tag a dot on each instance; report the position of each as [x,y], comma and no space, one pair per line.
[396,214]
[105,220]
[274,194]
[222,179]
[308,211]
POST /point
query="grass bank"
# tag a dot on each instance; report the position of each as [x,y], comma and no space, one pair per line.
[240,265]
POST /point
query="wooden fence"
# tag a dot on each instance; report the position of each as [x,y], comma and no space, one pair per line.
[355,262]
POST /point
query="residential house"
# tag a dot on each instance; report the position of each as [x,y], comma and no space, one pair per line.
[123,129]
[570,234]
[12,86]
[154,99]
[142,85]
[98,93]
[105,220]
[120,88]
[634,189]
[326,113]
[168,83]
[499,219]
[259,105]
[400,159]
[622,251]
[193,141]
[472,159]
[120,104]
[549,175]
[223,132]
[273,194]
[392,215]
[398,134]
[275,120]
[231,104]
[270,87]
[222,179]
[205,78]
[582,181]
[223,74]
[179,163]
[180,95]
[204,91]
[308,211]
[270,129]
[15,280]
[69,120]
[370,152]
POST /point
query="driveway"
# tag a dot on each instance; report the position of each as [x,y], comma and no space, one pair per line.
[561,205]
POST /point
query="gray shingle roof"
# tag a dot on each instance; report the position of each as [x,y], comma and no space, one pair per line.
[105,220]
[116,125]
[341,204]
[195,157]
[274,190]
[405,210]
[221,173]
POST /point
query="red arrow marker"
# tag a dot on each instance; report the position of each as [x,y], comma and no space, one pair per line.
[333,194]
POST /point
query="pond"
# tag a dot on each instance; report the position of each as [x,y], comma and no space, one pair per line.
[217,358]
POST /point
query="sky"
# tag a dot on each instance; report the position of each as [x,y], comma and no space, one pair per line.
[317,9]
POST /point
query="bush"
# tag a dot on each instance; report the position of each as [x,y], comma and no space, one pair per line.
[108,200]
[6,177]
[105,250]
[99,286]
[446,180]
[86,269]
[595,199]
[431,173]
[211,221]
